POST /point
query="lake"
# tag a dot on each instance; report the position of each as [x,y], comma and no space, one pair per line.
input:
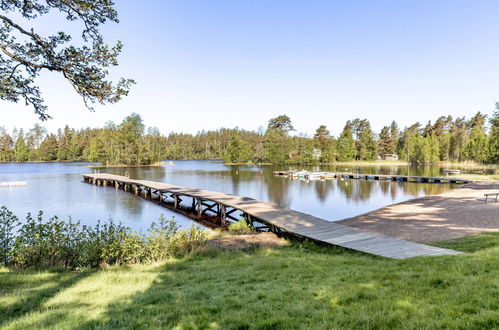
[58,189]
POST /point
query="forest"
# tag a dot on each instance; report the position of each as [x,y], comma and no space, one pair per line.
[130,143]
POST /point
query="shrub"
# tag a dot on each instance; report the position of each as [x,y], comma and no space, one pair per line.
[8,224]
[51,243]
[114,244]
[57,243]
[159,245]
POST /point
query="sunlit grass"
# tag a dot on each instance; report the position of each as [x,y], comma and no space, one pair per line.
[296,286]
[480,177]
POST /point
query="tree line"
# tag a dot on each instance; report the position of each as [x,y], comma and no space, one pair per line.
[129,143]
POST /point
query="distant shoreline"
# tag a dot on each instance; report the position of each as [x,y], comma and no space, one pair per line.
[464,165]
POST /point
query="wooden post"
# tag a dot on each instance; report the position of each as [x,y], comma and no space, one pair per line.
[199,206]
[223,215]
[247,217]
[175,200]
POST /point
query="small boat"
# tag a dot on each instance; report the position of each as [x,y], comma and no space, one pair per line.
[451,171]
[315,175]
[299,174]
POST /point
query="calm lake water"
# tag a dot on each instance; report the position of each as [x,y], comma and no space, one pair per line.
[58,189]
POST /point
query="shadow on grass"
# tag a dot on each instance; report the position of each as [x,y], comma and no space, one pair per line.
[310,286]
[287,287]
[265,288]
[31,289]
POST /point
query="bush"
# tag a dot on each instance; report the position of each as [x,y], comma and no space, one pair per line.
[8,224]
[159,242]
[114,244]
[51,243]
[57,243]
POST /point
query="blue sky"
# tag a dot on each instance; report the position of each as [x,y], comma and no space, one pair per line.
[211,64]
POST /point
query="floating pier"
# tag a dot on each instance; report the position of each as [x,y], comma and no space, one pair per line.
[13,184]
[219,209]
[378,177]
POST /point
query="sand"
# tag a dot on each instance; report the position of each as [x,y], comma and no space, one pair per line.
[453,214]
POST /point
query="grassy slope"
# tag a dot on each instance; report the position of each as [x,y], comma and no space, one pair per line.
[300,286]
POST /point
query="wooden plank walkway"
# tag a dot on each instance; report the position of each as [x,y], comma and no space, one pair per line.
[283,219]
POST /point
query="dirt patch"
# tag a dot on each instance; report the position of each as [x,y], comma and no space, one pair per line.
[246,241]
[456,213]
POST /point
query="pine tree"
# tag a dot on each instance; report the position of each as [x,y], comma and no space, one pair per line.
[346,145]
[239,151]
[494,138]
[322,137]
[394,137]
[276,147]
[48,148]
[21,150]
[281,124]
[384,142]
[477,147]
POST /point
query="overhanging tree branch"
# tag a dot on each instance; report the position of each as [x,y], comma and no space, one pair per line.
[83,67]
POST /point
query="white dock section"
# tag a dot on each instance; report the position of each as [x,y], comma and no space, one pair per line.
[13,184]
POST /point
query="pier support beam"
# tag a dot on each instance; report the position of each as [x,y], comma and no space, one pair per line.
[176,200]
[210,207]
[249,219]
[199,206]
[223,216]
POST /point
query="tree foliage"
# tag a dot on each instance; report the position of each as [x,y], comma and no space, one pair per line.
[494,138]
[130,143]
[25,53]
[281,124]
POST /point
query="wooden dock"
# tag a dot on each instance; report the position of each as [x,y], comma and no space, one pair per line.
[13,184]
[266,216]
[377,177]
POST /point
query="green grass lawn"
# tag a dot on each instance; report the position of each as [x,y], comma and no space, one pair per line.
[480,177]
[296,286]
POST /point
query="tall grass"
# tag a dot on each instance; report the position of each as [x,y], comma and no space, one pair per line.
[240,228]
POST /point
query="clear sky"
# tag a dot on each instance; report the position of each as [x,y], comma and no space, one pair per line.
[211,64]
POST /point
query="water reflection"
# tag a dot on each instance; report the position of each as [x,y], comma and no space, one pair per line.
[322,189]
[57,188]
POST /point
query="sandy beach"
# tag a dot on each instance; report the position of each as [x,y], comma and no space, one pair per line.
[455,213]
